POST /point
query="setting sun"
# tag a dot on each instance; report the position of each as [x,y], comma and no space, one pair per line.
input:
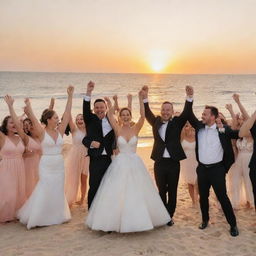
[158,60]
[157,66]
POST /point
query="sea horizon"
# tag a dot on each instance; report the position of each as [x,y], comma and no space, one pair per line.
[211,89]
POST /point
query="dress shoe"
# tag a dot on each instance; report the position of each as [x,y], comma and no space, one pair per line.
[203,225]
[170,223]
[234,231]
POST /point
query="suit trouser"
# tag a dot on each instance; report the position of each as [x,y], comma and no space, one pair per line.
[167,172]
[97,169]
[253,180]
[216,177]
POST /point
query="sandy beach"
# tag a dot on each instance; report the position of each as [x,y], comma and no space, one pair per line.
[184,238]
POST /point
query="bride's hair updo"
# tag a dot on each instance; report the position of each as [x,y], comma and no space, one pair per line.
[47,114]
[122,109]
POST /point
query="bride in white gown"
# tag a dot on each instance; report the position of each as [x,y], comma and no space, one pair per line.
[127,200]
[47,205]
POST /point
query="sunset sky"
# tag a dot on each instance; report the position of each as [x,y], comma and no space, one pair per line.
[138,36]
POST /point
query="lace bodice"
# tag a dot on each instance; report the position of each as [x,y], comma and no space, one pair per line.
[49,146]
[127,146]
[244,145]
[78,137]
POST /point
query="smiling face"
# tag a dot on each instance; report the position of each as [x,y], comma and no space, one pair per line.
[125,116]
[80,121]
[100,109]
[166,111]
[27,126]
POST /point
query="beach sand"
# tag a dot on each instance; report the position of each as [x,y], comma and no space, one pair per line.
[184,238]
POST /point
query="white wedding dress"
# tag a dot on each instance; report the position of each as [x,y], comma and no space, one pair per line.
[47,205]
[127,200]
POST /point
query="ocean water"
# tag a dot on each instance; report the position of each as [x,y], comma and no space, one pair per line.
[214,90]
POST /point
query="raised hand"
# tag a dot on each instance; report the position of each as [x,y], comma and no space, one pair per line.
[236,97]
[90,88]
[52,103]
[108,101]
[70,90]
[141,94]
[189,91]
[145,90]
[27,101]
[129,97]
[229,107]
[9,100]
[26,110]
[115,97]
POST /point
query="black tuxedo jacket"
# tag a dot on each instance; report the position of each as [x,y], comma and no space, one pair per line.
[252,163]
[172,137]
[225,140]
[95,133]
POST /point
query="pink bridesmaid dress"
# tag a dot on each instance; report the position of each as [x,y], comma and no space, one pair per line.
[77,163]
[12,179]
[31,160]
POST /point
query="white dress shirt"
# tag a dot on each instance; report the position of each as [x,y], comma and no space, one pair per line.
[106,127]
[210,150]
[162,129]
[162,132]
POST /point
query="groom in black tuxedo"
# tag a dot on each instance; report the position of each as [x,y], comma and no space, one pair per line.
[100,140]
[167,150]
[215,156]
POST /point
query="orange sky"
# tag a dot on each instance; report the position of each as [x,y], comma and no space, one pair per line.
[138,36]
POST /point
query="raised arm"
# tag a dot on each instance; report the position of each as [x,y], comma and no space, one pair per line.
[111,116]
[245,114]
[38,130]
[141,120]
[87,113]
[129,101]
[183,117]
[71,124]
[151,118]
[247,125]
[9,101]
[52,102]
[116,106]
[233,116]
[67,114]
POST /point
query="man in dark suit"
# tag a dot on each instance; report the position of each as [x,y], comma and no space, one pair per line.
[247,129]
[215,156]
[99,140]
[167,150]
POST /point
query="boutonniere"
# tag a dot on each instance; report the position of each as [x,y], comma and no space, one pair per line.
[221,130]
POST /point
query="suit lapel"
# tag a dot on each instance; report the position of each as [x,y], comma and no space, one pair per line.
[167,129]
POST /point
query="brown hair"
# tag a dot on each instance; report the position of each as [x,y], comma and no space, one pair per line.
[123,109]
[167,102]
[214,110]
[47,114]
[4,125]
